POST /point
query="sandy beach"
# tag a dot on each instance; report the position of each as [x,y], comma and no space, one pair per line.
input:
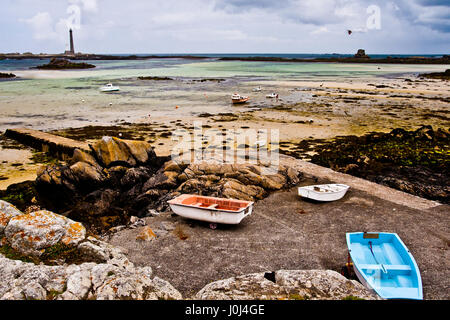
[306,109]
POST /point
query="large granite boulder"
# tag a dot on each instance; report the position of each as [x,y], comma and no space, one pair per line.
[87,281]
[107,274]
[111,151]
[7,211]
[286,284]
[30,234]
[240,181]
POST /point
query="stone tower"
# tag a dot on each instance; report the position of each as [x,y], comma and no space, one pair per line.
[72,49]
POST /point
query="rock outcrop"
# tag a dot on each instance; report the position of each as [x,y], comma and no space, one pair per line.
[7,75]
[90,187]
[103,271]
[32,233]
[107,281]
[437,75]
[286,284]
[361,54]
[123,178]
[61,64]
[7,211]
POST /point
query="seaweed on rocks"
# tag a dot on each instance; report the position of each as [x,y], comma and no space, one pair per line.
[22,195]
[416,162]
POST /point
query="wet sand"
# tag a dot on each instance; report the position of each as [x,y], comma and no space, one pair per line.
[304,110]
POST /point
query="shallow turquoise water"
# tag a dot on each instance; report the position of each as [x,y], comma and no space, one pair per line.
[57,99]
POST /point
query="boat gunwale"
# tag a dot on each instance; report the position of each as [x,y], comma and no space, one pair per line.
[240,210]
[345,188]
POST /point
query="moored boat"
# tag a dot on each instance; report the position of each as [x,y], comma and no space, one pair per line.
[237,98]
[383,263]
[109,88]
[211,209]
[323,192]
[272,95]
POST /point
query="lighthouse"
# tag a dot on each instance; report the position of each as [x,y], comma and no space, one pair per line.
[72,48]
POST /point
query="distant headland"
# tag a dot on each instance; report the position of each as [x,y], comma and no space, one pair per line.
[90,56]
[360,57]
[59,63]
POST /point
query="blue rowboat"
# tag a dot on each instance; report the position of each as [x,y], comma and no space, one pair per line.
[384,264]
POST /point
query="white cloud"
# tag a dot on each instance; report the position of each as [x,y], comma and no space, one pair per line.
[88,5]
[42,25]
[216,26]
[320,30]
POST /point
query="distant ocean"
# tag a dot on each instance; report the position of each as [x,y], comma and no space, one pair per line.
[12,64]
[286,55]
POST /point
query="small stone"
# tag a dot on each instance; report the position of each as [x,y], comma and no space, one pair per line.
[146,234]
[152,213]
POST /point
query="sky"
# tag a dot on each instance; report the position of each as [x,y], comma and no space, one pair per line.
[226,26]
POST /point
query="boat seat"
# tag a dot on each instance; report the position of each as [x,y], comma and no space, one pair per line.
[198,204]
[386,266]
[397,267]
[214,205]
[392,269]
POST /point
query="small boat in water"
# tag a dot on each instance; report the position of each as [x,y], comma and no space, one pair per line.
[237,98]
[257,89]
[272,95]
[109,88]
[383,263]
[211,209]
[323,192]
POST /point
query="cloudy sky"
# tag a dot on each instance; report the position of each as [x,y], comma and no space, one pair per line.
[226,26]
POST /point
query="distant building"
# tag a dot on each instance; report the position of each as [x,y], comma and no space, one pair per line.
[72,48]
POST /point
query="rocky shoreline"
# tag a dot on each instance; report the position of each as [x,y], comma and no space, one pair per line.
[416,162]
[49,256]
[356,59]
[123,178]
[437,75]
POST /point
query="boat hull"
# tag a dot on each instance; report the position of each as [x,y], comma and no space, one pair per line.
[239,101]
[212,215]
[109,90]
[310,193]
[383,263]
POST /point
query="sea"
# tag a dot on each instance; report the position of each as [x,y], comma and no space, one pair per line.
[47,100]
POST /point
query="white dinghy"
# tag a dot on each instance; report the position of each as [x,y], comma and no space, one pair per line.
[272,96]
[109,88]
[211,209]
[323,192]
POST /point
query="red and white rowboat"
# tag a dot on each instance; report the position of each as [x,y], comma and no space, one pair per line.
[211,209]
[237,98]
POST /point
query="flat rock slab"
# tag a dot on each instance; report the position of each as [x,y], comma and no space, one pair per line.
[58,146]
[286,232]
